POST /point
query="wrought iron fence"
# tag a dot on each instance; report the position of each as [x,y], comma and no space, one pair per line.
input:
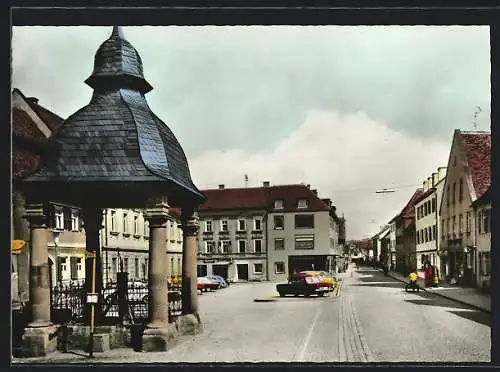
[68,302]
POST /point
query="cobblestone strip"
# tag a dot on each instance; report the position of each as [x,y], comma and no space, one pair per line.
[352,339]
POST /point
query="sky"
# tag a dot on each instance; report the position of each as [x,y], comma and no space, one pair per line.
[348,110]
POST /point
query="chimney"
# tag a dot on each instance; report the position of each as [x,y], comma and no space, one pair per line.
[32,99]
[265,183]
[221,187]
[430,183]
[434,179]
[315,192]
[424,185]
[308,186]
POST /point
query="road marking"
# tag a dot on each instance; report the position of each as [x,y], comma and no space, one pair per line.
[306,340]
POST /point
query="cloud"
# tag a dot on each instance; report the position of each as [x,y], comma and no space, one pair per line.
[346,157]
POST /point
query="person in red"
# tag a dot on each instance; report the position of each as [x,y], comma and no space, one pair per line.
[428,273]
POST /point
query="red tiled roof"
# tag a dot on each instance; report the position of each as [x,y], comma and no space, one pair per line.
[52,120]
[23,163]
[261,198]
[477,149]
[408,211]
[24,127]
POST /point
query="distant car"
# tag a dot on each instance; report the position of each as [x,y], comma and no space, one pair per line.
[306,286]
[207,284]
[222,282]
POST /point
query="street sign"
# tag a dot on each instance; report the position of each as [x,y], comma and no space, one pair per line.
[17,246]
[92,298]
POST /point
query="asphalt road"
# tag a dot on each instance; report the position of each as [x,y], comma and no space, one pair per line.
[373,320]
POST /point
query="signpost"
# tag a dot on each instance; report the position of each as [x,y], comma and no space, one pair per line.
[92,299]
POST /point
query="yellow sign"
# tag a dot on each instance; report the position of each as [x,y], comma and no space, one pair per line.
[17,246]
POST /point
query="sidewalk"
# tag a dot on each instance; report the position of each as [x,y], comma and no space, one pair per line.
[467,296]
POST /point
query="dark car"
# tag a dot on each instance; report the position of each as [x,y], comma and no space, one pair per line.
[306,286]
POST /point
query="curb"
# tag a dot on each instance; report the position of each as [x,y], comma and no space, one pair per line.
[447,297]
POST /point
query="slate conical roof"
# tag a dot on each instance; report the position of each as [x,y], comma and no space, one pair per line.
[116,137]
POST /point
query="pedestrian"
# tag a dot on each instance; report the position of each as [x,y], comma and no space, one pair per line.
[428,274]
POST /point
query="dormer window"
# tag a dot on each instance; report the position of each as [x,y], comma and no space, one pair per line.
[278,204]
[302,203]
[59,219]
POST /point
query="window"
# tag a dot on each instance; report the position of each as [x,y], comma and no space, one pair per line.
[74,221]
[418,212]
[114,266]
[426,235]
[434,232]
[208,226]
[485,263]
[279,244]
[125,264]
[304,221]
[171,266]
[279,222]
[113,221]
[454,189]
[125,223]
[257,224]
[443,231]
[428,207]
[479,220]
[468,222]
[145,269]
[146,228]
[486,220]
[73,262]
[460,223]
[418,237]
[136,227]
[425,209]
[302,203]
[257,268]
[453,223]
[136,268]
[241,225]
[433,205]
[448,196]
[257,246]
[304,242]
[448,230]
[242,245]
[225,246]
[209,246]
[461,190]
[59,219]
[279,267]
[223,225]
[179,266]
[278,204]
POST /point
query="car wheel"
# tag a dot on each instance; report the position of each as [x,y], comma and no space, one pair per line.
[321,294]
[281,294]
[307,294]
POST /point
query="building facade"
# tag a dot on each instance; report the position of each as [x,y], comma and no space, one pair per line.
[467,179]
[125,244]
[482,208]
[427,220]
[266,233]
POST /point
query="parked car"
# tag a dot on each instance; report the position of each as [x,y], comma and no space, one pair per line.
[305,286]
[206,284]
[325,280]
[222,282]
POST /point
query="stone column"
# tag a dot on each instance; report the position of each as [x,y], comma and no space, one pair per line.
[92,219]
[39,337]
[190,322]
[159,335]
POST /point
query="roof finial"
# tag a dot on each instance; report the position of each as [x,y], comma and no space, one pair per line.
[117,33]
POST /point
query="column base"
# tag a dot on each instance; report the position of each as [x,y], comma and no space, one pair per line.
[189,324]
[159,339]
[39,341]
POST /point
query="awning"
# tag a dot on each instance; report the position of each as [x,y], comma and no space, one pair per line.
[17,246]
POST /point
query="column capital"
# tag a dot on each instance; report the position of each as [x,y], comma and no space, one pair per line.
[35,214]
[157,213]
[190,222]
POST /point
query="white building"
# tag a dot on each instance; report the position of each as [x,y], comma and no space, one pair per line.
[427,220]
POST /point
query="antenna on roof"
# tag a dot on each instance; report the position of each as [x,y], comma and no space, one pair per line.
[246,180]
[476,113]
